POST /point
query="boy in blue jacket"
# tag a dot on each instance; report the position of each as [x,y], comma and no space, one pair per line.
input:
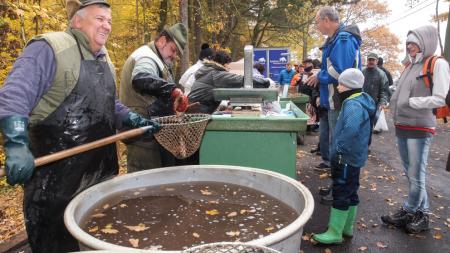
[348,154]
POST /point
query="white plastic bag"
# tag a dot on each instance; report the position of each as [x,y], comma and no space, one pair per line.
[381,124]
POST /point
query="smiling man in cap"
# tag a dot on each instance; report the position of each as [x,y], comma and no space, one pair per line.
[376,83]
[60,94]
[148,87]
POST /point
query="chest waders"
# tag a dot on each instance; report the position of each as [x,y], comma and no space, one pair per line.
[86,114]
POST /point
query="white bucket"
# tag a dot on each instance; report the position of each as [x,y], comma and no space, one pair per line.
[285,189]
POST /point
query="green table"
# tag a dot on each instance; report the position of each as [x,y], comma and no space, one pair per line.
[300,100]
[268,143]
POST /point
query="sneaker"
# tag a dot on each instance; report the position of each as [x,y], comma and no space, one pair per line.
[398,219]
[324,191]
[314,150]
[322,167]
[419,223]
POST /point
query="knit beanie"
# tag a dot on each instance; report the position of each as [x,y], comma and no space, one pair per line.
[206,52]
[413,38]
[351,78]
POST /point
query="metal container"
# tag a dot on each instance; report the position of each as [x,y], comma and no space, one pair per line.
[248,67]
[287,190]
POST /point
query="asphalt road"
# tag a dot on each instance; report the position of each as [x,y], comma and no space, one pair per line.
[383,189]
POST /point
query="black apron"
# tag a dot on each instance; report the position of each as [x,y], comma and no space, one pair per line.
[87,114]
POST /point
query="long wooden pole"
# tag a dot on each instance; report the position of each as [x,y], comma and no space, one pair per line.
[86,147]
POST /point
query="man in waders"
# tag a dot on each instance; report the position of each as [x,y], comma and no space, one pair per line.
[61,94]
[147,87]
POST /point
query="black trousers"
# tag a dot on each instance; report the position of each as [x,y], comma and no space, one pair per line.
[345,185]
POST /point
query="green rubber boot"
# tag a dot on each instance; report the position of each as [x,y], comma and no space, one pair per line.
[338,218]
[348,228]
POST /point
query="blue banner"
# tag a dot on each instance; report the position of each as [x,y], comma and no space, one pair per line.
[274,59]
[277,62]
[260,56]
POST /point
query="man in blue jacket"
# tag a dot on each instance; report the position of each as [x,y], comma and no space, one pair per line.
[286,76]
[340,52]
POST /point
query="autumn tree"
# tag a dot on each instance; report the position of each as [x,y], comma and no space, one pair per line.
[377,38]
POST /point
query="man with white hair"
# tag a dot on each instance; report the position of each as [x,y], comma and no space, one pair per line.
[61,93]
[340,52]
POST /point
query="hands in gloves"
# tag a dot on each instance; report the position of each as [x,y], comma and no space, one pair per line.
[19,160]
[180,101]
[135,120]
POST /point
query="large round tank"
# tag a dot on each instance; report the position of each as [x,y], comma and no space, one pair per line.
[286,189]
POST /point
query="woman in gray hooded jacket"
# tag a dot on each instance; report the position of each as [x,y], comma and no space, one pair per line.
[411,106]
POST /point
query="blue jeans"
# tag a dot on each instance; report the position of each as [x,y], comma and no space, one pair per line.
[324,140]
[414,155]
[332,120]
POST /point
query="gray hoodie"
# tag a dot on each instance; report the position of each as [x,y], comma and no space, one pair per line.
[412,102]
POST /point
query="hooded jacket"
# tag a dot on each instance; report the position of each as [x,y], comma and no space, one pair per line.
[340,52]
[214,75]
[353,130]
[412,102]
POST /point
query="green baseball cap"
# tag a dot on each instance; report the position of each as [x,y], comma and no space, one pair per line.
[372,55]
[72,6]
[178,33]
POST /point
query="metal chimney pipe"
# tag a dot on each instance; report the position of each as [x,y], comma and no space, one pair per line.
[248,67]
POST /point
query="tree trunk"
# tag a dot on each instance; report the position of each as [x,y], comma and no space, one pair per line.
[447,39]
[439,27]
[197,30]
[36,20]
[146,32]
[184,19]
[305,42]
[163,9]
[137,20]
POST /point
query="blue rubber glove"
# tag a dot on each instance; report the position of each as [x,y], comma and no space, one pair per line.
[19,160]
[135,120]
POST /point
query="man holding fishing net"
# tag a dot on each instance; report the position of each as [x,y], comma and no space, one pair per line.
[147,87]
[60,94]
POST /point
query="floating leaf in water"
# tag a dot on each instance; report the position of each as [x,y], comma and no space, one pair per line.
[170,189]
[233,233]
[98,215]
[269,229]
[232,214]
[110,231]
[205,192]
[106,206]
[212,212]
[123,205]
[196,235]
[140,227]
[243,211]
[93,229]
[134,242]
[213,202]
